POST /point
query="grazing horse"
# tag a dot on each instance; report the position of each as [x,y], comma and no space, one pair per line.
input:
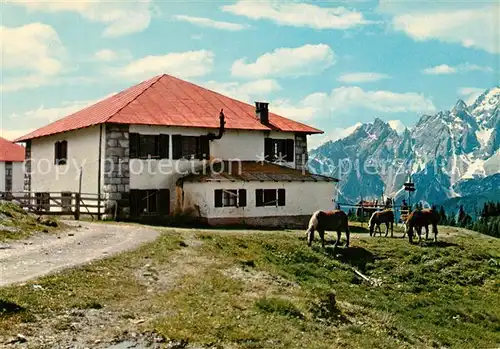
[422,218]
[328,221]
[379,217]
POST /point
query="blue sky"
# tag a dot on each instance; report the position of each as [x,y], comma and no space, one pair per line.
[331,64]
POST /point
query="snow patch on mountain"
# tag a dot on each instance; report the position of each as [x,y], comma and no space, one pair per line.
[483,136]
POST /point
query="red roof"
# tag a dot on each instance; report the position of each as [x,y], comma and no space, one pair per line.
[10,151]
[166,100]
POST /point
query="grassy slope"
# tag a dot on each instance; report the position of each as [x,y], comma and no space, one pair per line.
[270,290]
[16,224]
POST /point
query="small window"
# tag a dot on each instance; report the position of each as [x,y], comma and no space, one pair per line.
[279,149]
[66,198]
[149,202]
[148,146]
[190,147]
[61,153]
[269,197]
[230,198]
[42,201]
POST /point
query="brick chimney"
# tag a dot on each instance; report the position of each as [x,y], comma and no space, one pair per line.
[262,112]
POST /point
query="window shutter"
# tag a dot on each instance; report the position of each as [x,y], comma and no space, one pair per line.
[204,148]
[134,202]
[164,146]
[164,201]
[218,198]
[259,197]
[290,150]
[63,153]
[268,149]
[133,139]
[281,197]
[242,197]
[56,152]
[176,146]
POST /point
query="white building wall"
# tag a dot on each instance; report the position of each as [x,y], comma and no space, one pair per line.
[164,173]
[83,151]
[2,176]
[17,177]
[301,198]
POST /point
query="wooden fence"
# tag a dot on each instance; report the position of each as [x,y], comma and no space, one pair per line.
[58,203]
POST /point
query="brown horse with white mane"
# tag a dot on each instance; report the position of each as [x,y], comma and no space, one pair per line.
[328,221]
[419,219]
[382,217]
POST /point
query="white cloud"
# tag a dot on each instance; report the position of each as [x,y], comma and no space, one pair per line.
[282,62]
[397,125]
[43,115]
[343,98]
[33,47]
[180,64]
[461,68]
[210,23]
[470,94]
[120,18]
[301,112]
[106,55]
[244,92]
[298,14]
[475,27]
[362,77]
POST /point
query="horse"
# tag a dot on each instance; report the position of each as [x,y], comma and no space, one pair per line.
[322,221]
[419,219]
[379,217]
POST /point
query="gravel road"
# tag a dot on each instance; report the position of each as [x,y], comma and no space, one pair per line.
[45,254]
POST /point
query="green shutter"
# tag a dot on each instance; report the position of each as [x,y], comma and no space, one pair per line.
[268,149]
[164,146]
[176,147]
[281,197]
[259,193]
[218,198]
[134,202]
[133,139]
[290,150]
[242,198]
[164,202]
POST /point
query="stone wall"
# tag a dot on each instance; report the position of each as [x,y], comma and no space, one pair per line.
[27,167]
[300,151]
[117,170]
[8,176]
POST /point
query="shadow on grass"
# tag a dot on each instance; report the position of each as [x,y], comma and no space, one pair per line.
[8,308]
[355,256]
[439,243]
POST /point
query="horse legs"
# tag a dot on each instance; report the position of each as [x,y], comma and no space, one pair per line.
[347,235]
[435,230]
[419,232]
[426,232]
[386,229]
[322,236]
[339,235]
[392,229]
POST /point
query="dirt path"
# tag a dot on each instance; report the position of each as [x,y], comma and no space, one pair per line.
[44,254]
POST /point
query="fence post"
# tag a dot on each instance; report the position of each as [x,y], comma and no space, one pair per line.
[77,206]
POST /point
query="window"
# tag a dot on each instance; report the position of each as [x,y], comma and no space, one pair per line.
[42,201]
[8,176]
[66,198]
[230,198]
[148,146]
[279,149]
[149,202]
[190,147]
[269,197]
[61,153]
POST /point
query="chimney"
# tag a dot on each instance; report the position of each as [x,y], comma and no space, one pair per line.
[262,112]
